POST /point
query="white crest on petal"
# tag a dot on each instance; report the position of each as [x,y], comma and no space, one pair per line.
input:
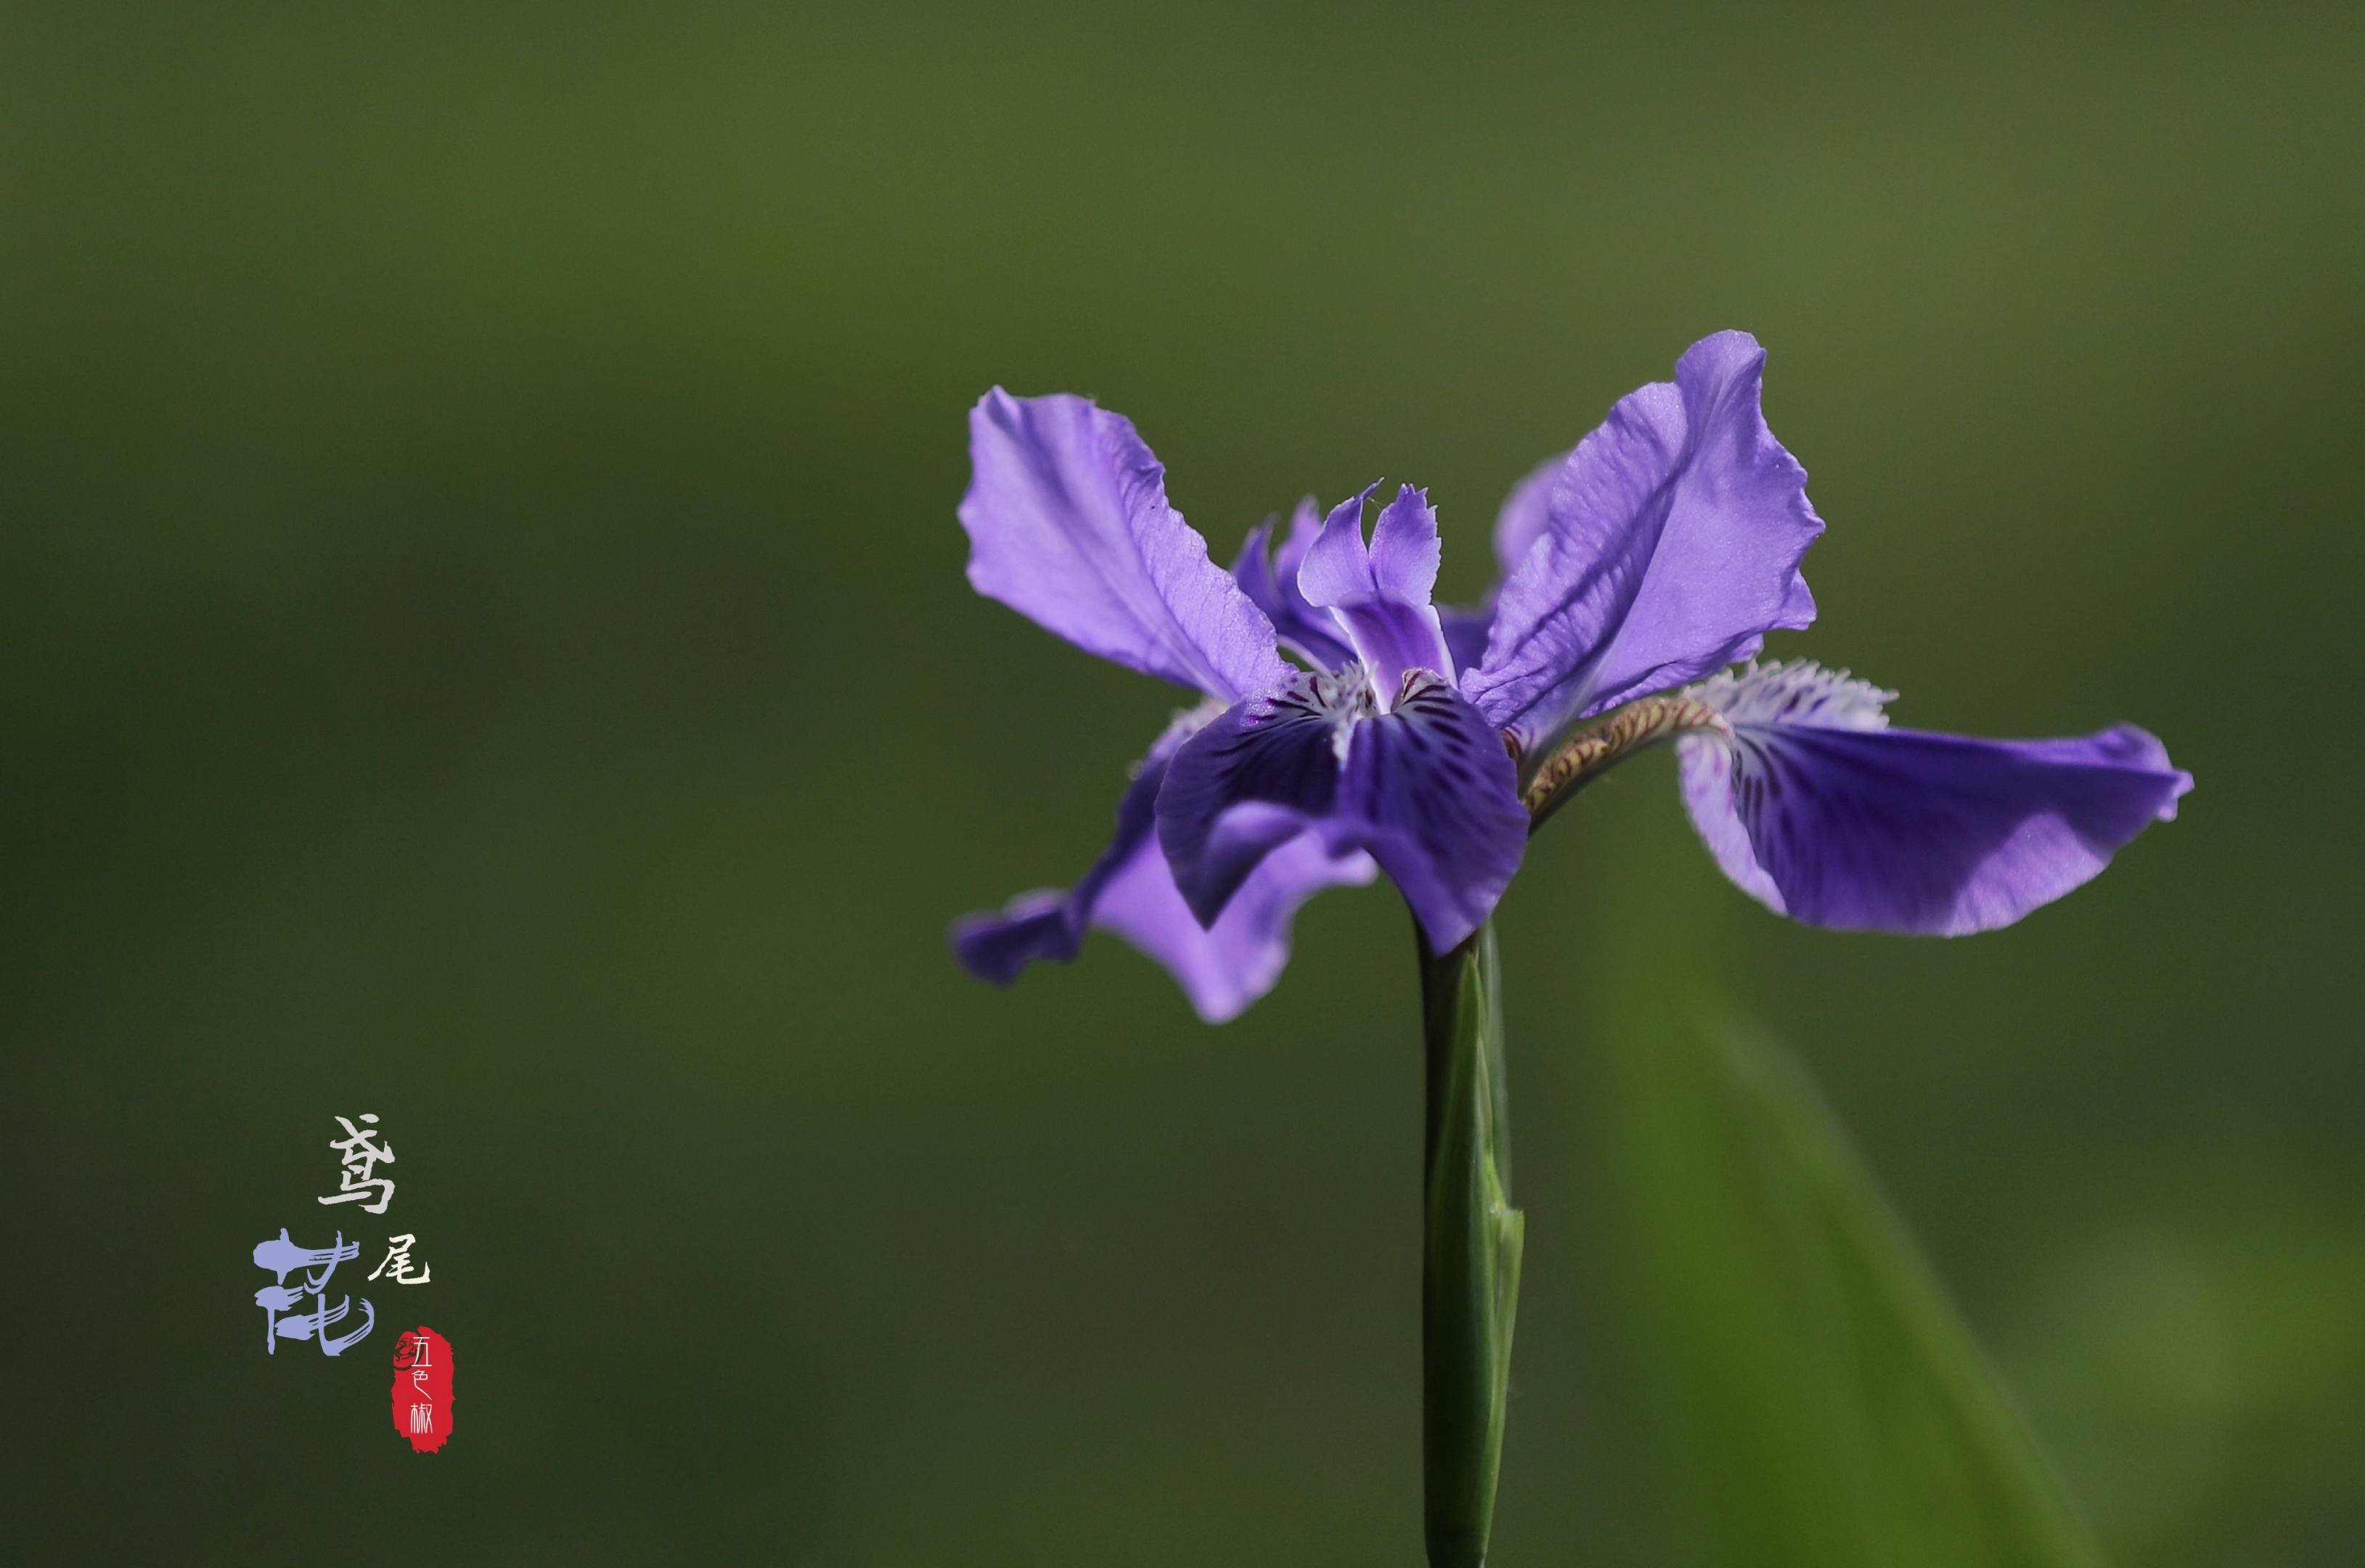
[1339,698]
[1800,692]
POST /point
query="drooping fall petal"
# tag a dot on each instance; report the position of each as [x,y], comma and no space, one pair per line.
[1821,812]
[1427,789]
[1222,968]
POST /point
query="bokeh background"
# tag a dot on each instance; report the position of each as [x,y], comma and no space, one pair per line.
[483,641]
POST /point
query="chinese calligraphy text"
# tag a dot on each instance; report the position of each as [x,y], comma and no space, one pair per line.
[280,1301]
[398,1259]
[361,1159]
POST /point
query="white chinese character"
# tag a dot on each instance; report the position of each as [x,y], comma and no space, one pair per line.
[362,1157]
[398,1258]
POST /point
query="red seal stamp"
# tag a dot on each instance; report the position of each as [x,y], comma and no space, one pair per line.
[422,1388]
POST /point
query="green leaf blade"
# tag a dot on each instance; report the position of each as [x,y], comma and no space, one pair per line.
[1815,1397]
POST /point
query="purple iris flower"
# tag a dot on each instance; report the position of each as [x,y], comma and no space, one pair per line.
[1429,743]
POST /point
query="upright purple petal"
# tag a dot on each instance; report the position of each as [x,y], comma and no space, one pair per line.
[1526,515]
[1521,522]
[1222,968]
[1426,789]
[1675,535]
[1381,592]
[1069,525]
[1819,812]
[1465,627]
[1271,586]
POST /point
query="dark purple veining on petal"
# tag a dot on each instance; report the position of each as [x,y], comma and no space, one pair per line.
[1817,811]
[1278,755]
[1426,789]
[1432,795]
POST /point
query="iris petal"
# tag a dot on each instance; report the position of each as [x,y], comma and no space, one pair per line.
[1526,515]
[1431,792]
[1381,592]
[1222,968]
[1225,967]
[1427,789]
[1823,813]
[1674,538]
[1280,754]
[1466,628]
[1069,525]
[1270,584]
[1521,522]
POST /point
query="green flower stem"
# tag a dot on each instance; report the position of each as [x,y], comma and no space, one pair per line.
[1469,1263]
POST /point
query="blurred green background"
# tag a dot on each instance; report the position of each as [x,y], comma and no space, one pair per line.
[483,641]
